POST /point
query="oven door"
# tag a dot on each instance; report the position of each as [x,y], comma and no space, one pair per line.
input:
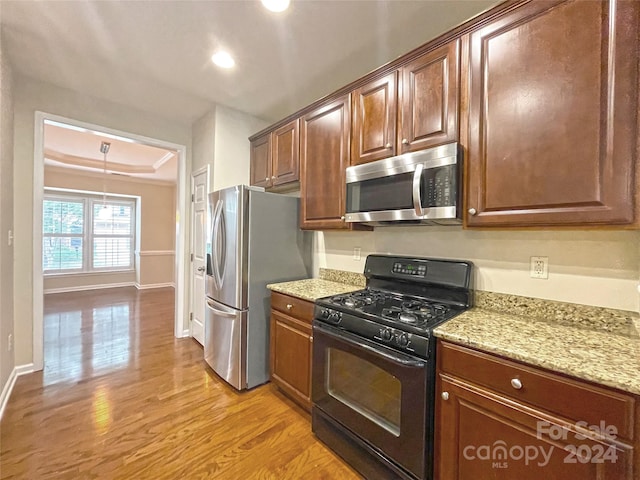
[377,393]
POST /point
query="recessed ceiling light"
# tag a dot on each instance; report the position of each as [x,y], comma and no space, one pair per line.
[276,5]
[223,59]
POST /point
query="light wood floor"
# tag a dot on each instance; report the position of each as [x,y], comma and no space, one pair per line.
[121,398]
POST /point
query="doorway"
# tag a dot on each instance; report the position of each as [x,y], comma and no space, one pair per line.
[181,326]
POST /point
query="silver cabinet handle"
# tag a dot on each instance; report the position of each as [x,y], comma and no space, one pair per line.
[273,178]
[342,218]
[266,179]
[472,211]
[289,306]
[445,395]
[201,269]
[388,145]
[516,383]
[405,141]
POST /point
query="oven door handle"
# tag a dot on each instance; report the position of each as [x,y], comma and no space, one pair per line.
[365,345]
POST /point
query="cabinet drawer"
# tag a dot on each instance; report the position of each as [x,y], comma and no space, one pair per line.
[292,306]
[571,399]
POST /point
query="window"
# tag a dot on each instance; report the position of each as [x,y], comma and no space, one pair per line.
[87,234]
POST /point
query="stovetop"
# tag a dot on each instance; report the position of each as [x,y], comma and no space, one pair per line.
[405,298]
[394,309]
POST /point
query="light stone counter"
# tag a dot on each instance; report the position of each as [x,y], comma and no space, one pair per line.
[312,288]
[591,343]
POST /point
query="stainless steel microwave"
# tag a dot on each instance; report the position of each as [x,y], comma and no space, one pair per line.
[421,187]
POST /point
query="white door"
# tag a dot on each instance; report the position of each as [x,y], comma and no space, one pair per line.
[199,189]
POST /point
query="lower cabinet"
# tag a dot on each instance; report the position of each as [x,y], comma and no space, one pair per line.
[500,419]
[291,342]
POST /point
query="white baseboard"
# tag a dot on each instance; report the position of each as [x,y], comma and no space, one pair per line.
[154,285]
[88,287]
[11,381]
[185,333]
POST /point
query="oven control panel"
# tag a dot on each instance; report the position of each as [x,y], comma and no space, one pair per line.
[399,338]
[410,268]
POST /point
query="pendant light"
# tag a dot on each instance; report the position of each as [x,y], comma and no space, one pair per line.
[104,148]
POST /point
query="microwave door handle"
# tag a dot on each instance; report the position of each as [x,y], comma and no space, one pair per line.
[417,199]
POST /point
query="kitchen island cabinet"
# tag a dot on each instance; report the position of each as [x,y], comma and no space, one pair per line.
[496,418]
[553,106]
[290,347]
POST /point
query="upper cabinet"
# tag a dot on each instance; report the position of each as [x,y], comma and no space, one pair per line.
[275,157]
[324,157]
[429,99]
[553,115]
[421,112]
[374,120]
[260,161]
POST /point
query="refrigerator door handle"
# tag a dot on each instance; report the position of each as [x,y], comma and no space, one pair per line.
[219,244]
[221,313]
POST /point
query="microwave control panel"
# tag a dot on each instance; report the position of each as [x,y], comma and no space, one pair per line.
[439,186]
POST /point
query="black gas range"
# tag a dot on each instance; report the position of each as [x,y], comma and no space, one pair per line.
[374,363]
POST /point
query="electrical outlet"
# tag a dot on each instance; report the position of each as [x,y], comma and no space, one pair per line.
[356,253]
[539,267]
[10,342]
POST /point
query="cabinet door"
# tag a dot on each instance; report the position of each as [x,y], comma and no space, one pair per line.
[429,99]
[374,121]
[291,357]
[284,156]
[553,105]
[260,161]
[481,436]
[324,156]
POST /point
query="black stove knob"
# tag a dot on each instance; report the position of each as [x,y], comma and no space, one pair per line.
[324,313]
[335,317]
[386,334]
[403,340]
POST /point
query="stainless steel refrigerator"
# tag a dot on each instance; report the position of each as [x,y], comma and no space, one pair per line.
[254,240]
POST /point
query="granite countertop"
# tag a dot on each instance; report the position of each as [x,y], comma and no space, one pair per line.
[312,288]
[596,344]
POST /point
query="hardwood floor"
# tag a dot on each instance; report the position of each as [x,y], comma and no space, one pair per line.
[121,398]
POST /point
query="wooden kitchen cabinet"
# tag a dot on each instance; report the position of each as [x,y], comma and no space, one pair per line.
[275,157]
[260,161]
[553,105]
[425,108]
[429,99]
[324,157]
[290,347]
[374,120]
[499,419]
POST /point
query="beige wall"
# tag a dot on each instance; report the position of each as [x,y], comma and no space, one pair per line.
[221,140]
[157,229]
[6,218]
[590,267]
[30,96]
[232,147]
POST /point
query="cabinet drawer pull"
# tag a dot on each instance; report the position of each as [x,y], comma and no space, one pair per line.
[266,179]
[273,178]
[289,306]
[516,383]
[472,211]
[388,145]
[445,395]
[405,141]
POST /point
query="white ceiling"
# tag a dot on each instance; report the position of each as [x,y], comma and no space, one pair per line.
[79,149]
[155,55]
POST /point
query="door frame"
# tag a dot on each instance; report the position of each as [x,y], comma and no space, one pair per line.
[181,314]
[201,170]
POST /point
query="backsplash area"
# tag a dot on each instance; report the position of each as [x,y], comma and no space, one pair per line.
[599,268]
